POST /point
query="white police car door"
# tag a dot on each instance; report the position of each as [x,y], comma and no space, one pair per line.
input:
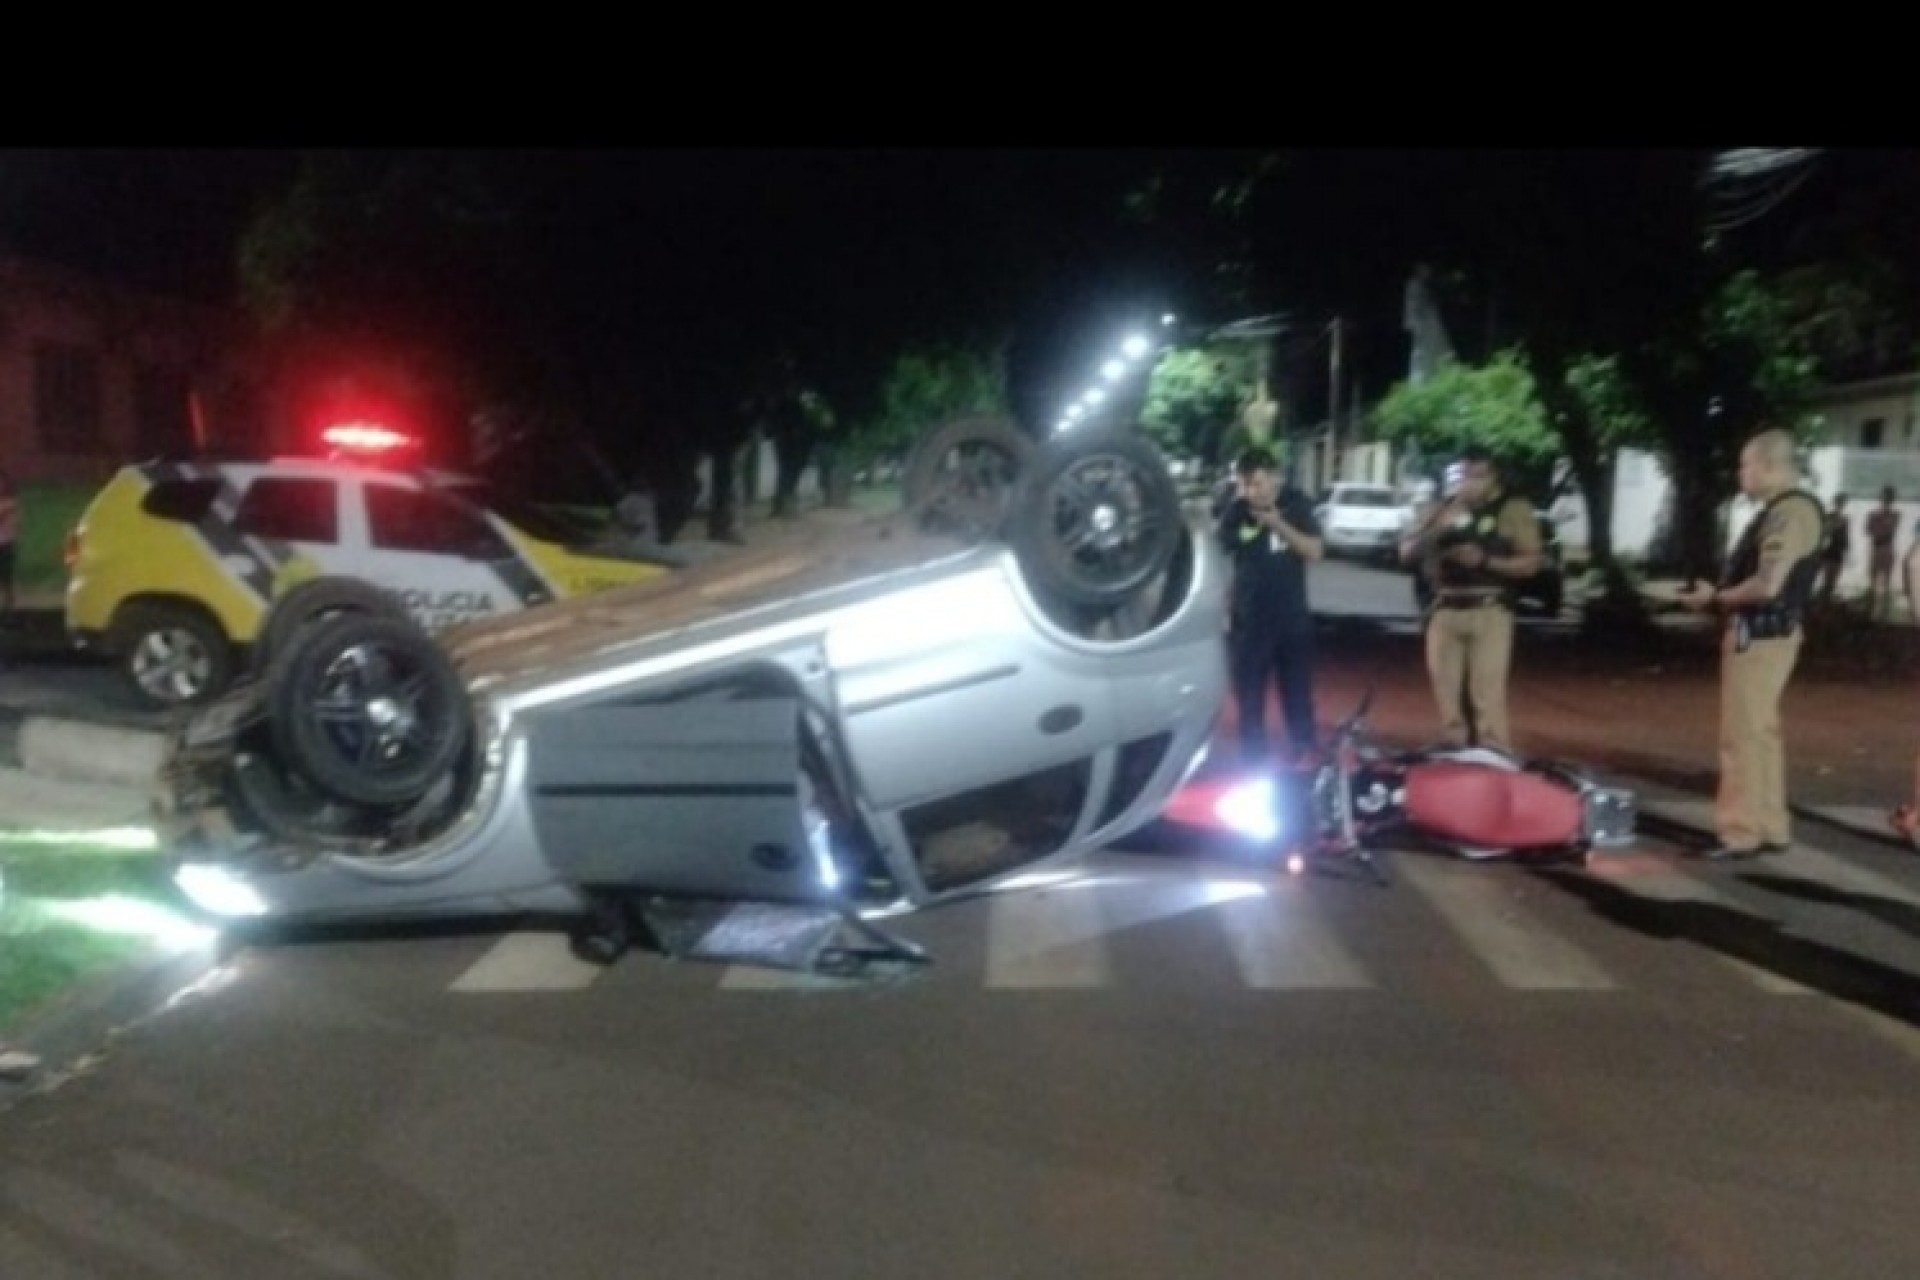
[260,524]
[441,557]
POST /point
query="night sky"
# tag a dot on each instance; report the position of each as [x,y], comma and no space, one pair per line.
[696,246]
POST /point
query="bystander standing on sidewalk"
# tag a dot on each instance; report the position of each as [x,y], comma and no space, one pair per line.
[1833,548]
[1883,524]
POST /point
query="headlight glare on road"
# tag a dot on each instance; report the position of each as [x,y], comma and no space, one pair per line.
[117,913]
[1250,808]
[217,891]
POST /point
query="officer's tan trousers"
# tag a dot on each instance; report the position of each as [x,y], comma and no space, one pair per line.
[1474,644]
[1751,808]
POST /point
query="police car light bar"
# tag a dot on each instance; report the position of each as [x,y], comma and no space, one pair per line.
[365,437]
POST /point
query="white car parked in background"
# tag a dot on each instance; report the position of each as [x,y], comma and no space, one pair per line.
[1362,520]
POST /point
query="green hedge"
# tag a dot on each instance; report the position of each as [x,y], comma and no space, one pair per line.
[47,514]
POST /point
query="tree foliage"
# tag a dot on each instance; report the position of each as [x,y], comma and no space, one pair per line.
[1494,405]
[923,387]
[1194,396]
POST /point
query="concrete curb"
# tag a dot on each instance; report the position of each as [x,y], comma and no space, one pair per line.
[79,750]
[30,801]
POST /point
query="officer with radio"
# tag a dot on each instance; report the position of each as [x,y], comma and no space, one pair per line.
[1762,596]
[1475,550]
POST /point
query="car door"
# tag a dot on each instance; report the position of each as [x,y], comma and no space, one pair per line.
[285,528]
[441,557]
[952,684]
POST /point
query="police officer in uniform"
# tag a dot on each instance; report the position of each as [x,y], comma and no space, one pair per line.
[1269,532]
[1474,550]
[1762,595]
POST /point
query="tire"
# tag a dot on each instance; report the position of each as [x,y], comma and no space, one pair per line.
[1097,519]
[963,476]
[369,710]
[174,655]
[310,602]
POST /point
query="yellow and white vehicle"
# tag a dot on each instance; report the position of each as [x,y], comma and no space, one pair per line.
[174,564]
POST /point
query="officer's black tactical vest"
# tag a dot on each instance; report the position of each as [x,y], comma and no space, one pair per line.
[1779,616]
[1482,528]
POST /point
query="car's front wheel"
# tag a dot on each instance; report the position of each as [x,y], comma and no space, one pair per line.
[369,709]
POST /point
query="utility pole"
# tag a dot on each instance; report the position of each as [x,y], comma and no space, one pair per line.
[1334,443]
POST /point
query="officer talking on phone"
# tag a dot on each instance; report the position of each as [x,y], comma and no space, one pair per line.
[1269,532]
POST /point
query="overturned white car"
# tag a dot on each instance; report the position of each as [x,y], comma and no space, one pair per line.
[1020,667]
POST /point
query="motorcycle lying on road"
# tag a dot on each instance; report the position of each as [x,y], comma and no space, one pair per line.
[1477,802]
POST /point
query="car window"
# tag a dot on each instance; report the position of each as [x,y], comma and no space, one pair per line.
[1364,498]
[291,509]
[417,520]
[539,522]
[184,500]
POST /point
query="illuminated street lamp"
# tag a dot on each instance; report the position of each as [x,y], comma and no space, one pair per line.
[1112,370]
[1135,346]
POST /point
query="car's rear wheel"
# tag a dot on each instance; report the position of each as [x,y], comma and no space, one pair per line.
[962,477]
[1097,519]
[369,710]
[175,654]
[311,602]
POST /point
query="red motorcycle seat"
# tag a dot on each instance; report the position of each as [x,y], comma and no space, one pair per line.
[1491,807]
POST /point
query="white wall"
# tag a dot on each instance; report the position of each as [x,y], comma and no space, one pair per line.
[1640,492]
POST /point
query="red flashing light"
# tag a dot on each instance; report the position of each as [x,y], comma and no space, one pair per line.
[366,437]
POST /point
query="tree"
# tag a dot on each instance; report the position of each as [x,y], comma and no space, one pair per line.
[1749,358]
[1495,406]
[1596,414]
[1194,396]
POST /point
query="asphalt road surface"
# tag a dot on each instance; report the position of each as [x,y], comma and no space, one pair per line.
[1173,1061]
[1176,1063]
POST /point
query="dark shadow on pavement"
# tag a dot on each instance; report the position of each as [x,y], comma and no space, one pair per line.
[1903,916]
[281,933]
[1762,943]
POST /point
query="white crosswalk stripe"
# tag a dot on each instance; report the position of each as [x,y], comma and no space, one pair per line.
[1277,934]
[1521,953]
[1281,945]
[528,962]
[1043,938]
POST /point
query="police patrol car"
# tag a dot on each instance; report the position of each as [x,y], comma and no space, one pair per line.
[173,564]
